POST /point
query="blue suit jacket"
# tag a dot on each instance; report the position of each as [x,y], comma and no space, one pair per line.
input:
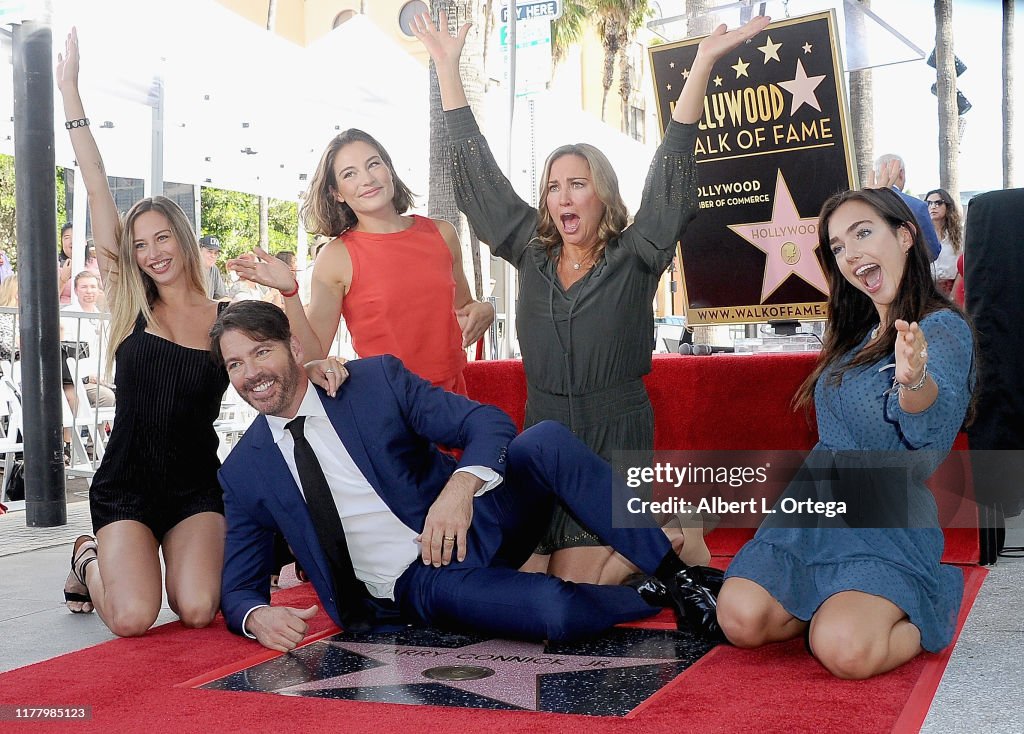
[389,420]
[924,220]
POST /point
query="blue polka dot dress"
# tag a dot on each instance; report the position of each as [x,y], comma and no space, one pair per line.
[858,422]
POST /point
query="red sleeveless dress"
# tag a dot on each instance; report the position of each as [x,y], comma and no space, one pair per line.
[401,301]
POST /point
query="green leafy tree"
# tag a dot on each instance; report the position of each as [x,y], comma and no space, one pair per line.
[8,237]
[233,217]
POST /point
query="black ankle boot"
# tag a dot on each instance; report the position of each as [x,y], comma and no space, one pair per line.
[693,592]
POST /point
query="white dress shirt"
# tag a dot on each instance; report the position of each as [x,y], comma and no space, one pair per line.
[381,546]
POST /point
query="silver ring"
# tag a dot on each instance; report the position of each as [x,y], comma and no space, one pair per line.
[326,371]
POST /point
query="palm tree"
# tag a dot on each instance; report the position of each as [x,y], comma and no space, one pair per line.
[264,202]
[1007,94]
[617,23]
[862,101]
[441,192]
[701,22]
[949,137]
[568,29]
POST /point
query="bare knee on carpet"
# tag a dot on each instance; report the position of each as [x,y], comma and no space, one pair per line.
[751,617]
[196,612]
[129,619]
[852,635]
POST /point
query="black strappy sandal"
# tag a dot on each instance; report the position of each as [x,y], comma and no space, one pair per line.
[80,560]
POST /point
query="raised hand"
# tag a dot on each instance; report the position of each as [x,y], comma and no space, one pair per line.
[911,353]
[68,62]
[266,270]
[444,48]
[722,41]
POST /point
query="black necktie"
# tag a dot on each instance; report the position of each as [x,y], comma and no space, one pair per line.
[350,592]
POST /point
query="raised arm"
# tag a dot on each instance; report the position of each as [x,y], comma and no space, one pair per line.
[332,273]
[669,200]
[498,215]
[690,104]
[445,50]
[106,223]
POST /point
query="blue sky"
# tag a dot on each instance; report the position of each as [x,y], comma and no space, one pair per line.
[906,116]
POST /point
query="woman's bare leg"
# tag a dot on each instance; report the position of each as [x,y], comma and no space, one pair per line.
[751,617]
[124,583]
[857,635]
[194,554]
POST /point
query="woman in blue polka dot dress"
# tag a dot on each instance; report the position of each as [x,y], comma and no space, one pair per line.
[891,391]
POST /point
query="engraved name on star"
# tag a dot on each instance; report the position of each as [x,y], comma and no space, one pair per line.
[802,88]
[741,67]
[788,241]
[517,667]
[770,50]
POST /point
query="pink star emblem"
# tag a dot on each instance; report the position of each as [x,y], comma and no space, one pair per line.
[515,666]
[802,88]
[788,241]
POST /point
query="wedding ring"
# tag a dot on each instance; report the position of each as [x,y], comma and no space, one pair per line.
[452,538]
[326,371]
[924,354]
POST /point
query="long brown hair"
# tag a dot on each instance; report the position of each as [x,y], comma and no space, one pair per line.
[851,313]
[606,185]
[321,212]
[953,222]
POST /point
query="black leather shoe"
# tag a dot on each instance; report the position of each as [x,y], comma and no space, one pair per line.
[694,596]
[652,590]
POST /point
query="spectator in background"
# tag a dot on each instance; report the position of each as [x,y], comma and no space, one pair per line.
[64,262]
[8,321]
[288,258]
[92,332]
[948,224]
[6,271]
[209,248]
[891,171]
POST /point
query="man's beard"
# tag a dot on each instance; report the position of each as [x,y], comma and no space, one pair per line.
[286,385]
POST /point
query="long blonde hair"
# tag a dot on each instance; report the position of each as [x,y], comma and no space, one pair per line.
[606,185]
[130,292]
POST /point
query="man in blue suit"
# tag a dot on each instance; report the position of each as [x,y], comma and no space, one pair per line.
[891,171]
[433,540]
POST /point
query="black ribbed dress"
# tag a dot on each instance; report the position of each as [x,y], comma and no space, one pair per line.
[161,463]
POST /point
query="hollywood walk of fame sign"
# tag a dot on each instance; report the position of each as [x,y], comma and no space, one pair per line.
[772,146]
[607,676]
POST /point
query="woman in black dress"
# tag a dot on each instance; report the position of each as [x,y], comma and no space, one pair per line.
[156,488]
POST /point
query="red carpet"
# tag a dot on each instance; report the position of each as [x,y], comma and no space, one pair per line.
[134,685]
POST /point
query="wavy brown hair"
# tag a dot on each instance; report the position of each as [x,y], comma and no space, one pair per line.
[851,313]
[606,184]
[953,222]
[321,212]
